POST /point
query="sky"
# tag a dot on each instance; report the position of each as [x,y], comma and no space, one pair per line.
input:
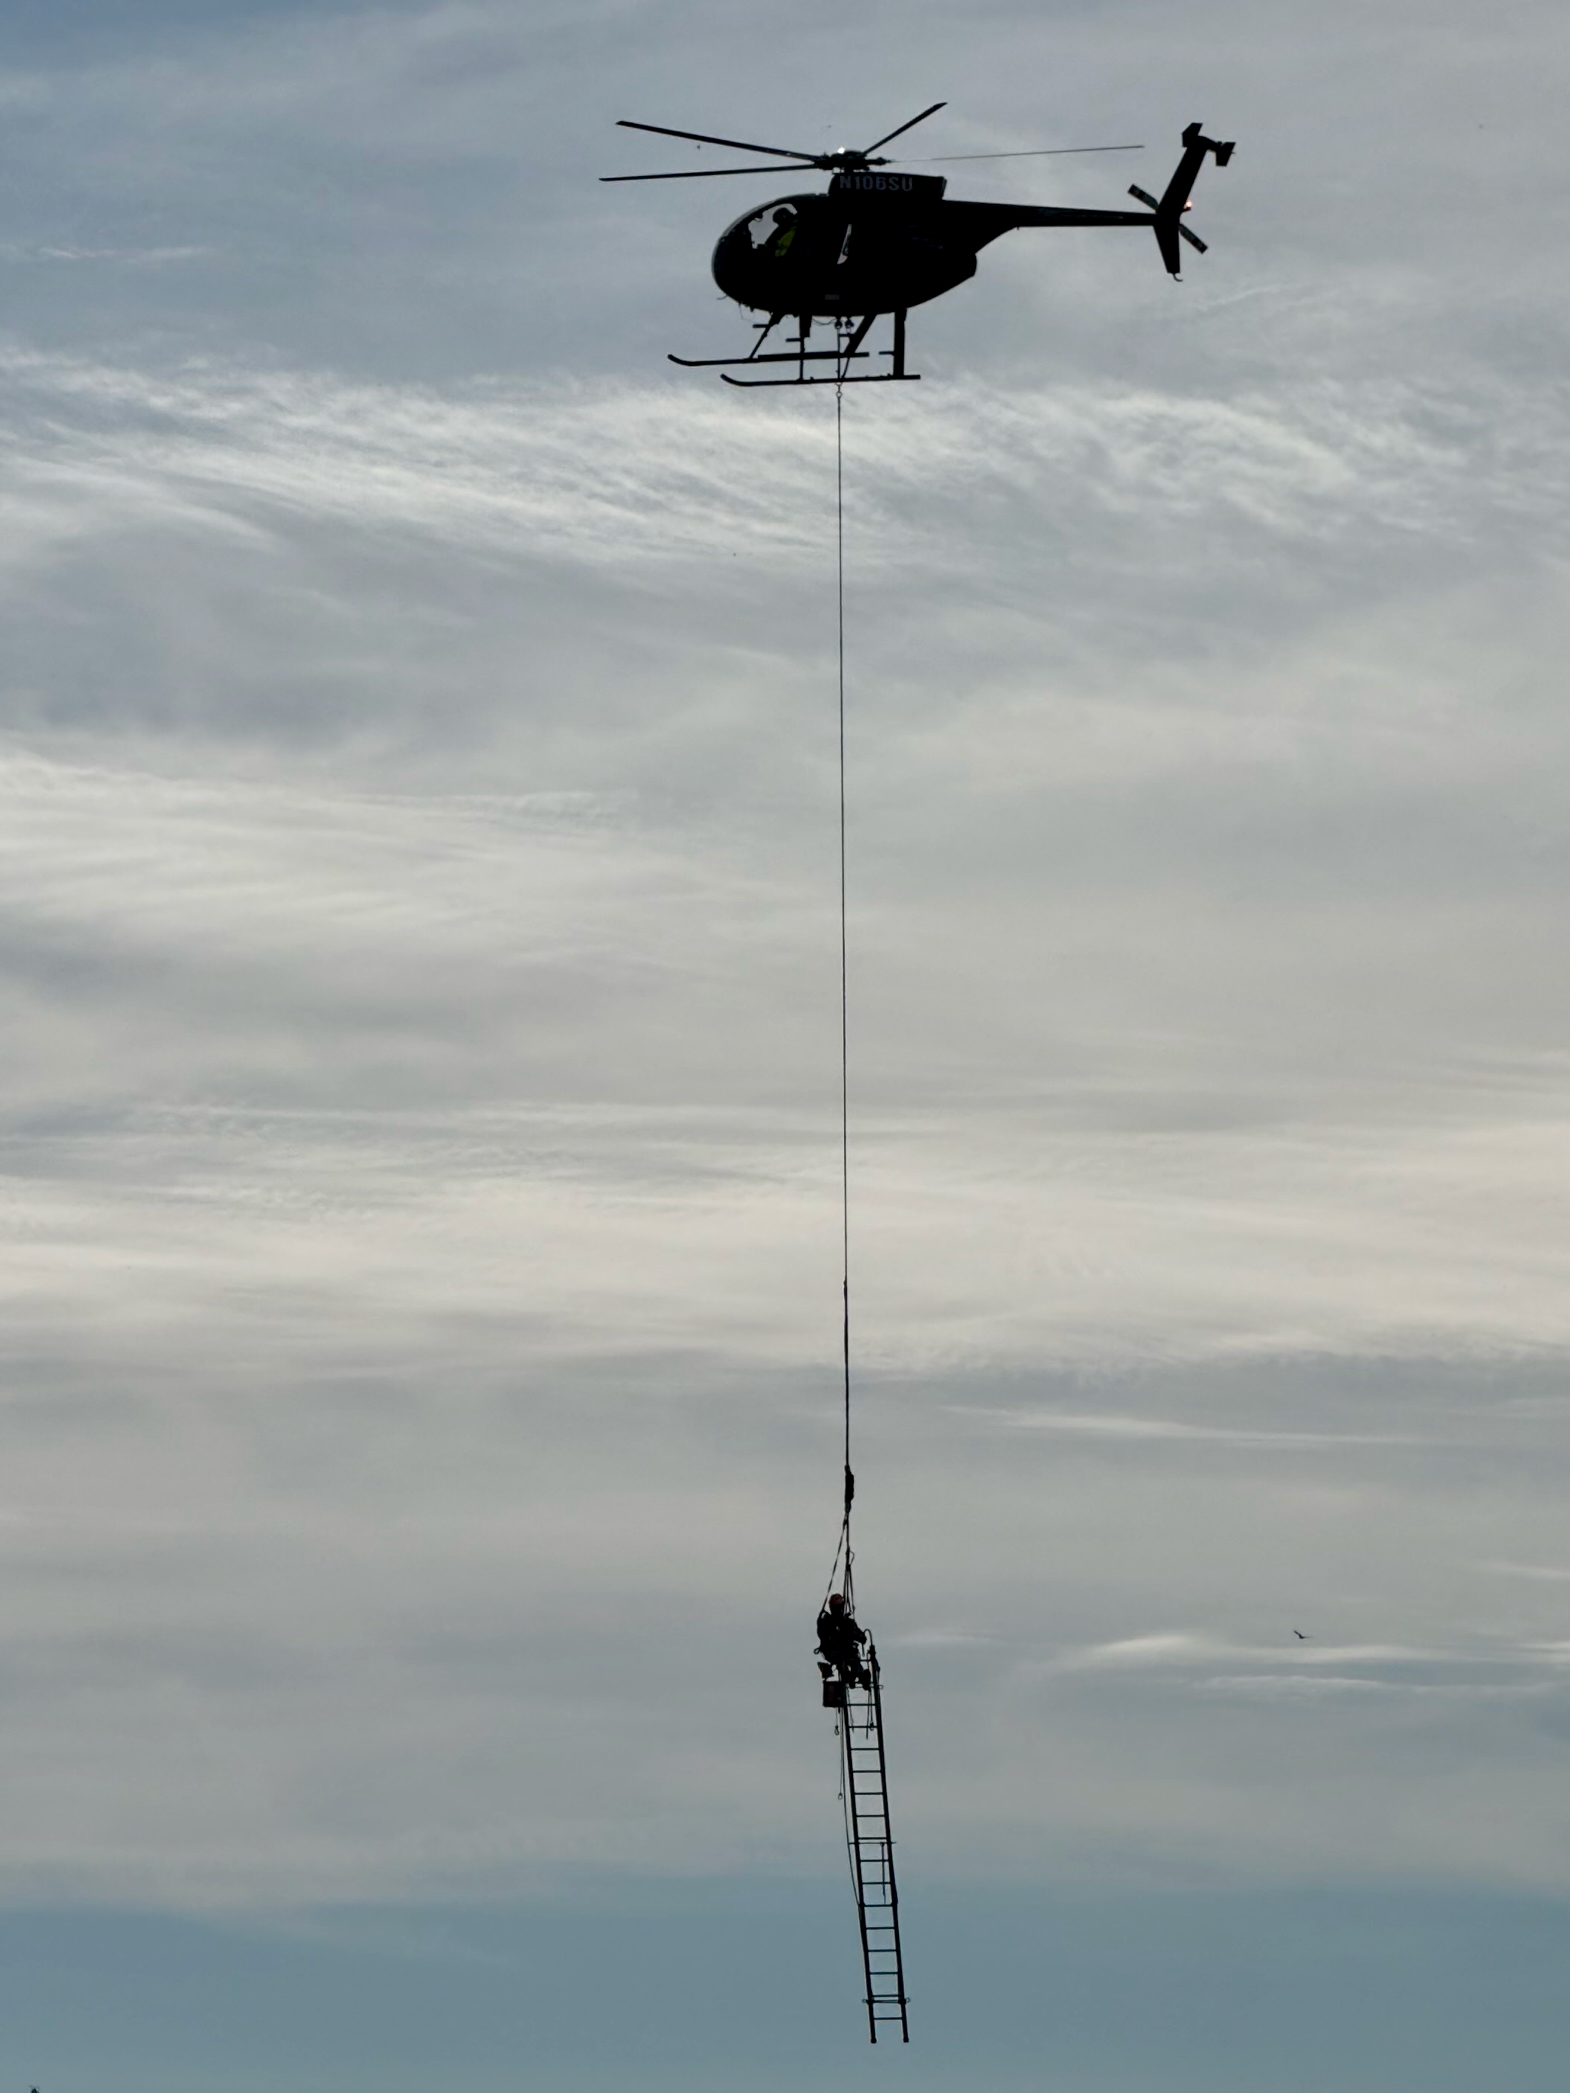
[420,974]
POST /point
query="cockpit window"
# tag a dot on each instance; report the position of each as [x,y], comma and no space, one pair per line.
[774,227]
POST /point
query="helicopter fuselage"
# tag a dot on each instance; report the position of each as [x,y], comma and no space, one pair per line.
[873,243]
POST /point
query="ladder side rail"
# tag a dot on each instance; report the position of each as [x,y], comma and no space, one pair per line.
[893,1889]
[855,1859]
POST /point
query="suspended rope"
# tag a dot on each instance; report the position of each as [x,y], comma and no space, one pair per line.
[843,1554]
[844,1648]
[839,590]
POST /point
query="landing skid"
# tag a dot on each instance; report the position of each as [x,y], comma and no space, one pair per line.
[860,378]
[709,363]
[848,351]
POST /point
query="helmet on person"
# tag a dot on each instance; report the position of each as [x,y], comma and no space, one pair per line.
[836,1599]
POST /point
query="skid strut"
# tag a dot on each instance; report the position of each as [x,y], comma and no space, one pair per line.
[871,1846]
[851,334]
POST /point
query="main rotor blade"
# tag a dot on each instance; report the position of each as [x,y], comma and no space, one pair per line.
[906,127]
[698,174]
[741,145]
[1045,152]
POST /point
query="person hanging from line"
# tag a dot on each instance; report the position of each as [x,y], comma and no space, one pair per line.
[840,1643]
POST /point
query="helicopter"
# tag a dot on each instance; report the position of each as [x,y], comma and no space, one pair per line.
[880,241]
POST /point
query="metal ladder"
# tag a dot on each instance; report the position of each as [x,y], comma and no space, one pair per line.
[871,1845]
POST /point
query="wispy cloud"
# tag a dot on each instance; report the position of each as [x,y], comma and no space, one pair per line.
[1096,1425]
[130,257]
[608,472]
[1188,1649]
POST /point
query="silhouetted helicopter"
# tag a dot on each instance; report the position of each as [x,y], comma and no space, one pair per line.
[880,243]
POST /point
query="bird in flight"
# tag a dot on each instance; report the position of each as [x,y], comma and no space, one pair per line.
[1301,1636]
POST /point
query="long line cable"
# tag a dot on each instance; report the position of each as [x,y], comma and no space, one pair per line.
[839,579]
[850,1480]
[839,551]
